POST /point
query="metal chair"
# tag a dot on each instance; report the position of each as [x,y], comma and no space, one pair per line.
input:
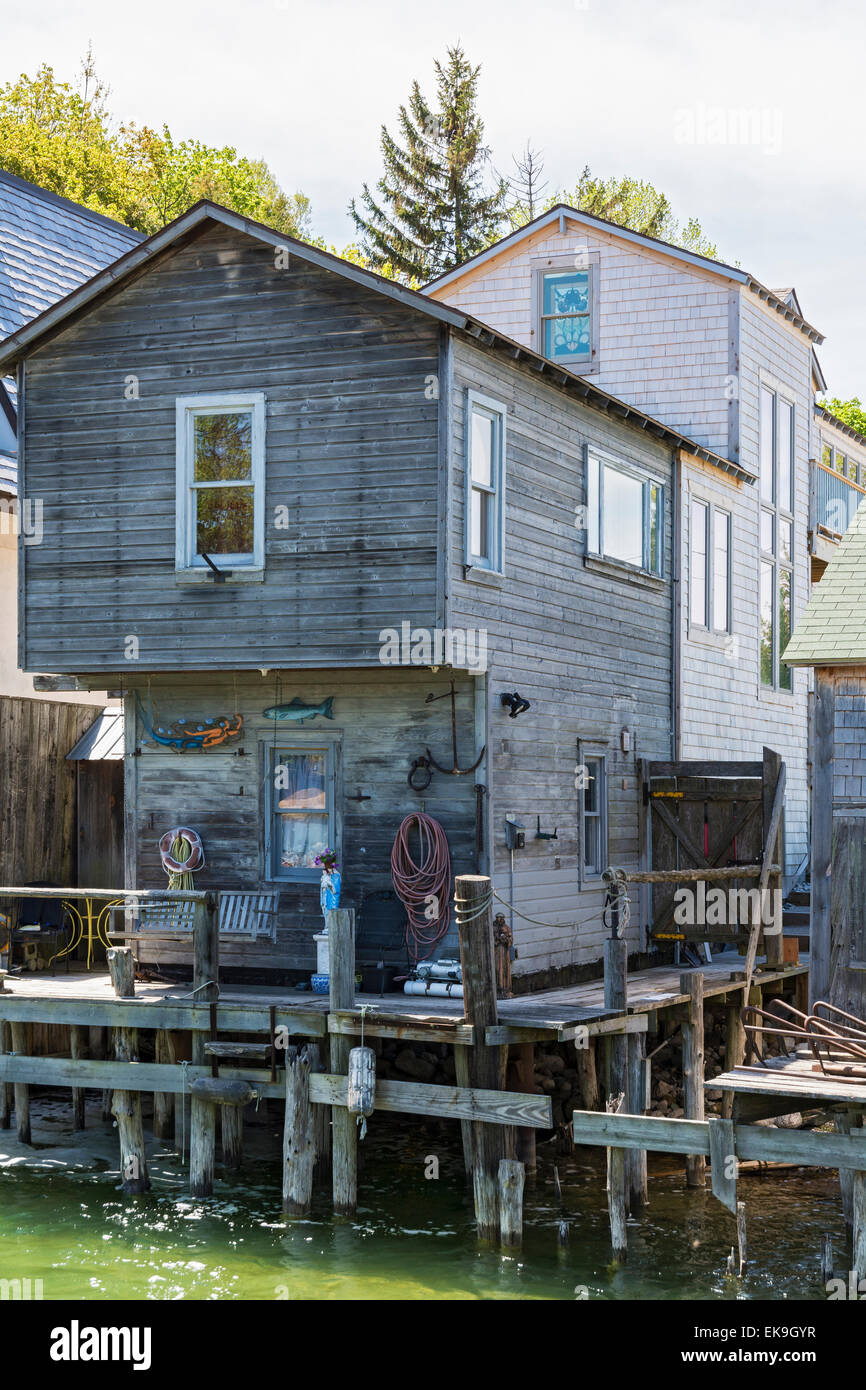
[40,919]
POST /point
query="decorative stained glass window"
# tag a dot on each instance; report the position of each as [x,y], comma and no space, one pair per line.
[566,318]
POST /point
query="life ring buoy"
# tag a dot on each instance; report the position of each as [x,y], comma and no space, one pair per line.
[196,856]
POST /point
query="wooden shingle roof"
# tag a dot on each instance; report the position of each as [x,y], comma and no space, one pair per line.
[832,630]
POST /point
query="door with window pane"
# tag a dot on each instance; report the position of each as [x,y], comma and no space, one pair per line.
[303,810]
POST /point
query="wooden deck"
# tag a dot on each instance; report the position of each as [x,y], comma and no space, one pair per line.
[797,1079]
[83,997]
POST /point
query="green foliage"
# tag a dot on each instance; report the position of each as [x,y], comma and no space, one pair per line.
[629,202]
[67,141]
[851,412]
[432,209]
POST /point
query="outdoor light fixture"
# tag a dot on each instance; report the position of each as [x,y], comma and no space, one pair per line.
[514,703]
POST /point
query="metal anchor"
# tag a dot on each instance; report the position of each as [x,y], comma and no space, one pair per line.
[456,770]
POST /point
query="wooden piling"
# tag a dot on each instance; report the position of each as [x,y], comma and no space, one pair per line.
[318,1054]
[618,1164]
[858,1213]
[232,1135]
[344,1134]
[21,1091]
[78,1048]
[486,1065]
[741,1237]
[163,1102]
[299,1153]
[637,1166]
[98,1050]
[525,1136]
[511,1181]
[5,1088]
[126,1105]
[587,1075]
[735,1050]
[692,984]
[205,985]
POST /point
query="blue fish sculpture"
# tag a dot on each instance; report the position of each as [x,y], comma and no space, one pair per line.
[297,711]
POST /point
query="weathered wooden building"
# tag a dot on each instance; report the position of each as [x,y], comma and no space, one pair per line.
[831,639]
[273,480]
[709,350]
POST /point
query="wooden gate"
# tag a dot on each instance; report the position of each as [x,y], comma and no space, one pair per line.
[705,815]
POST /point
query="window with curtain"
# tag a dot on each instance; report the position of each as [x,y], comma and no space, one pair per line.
[301,810]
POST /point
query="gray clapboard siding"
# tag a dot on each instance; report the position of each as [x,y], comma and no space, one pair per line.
[590,650]
[383,723]
[351,451]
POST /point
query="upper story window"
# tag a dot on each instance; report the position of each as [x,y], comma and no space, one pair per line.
[485,482]
[220,481]
[565,303]
[710,567]
[777,536]
[592,812]
[625,515]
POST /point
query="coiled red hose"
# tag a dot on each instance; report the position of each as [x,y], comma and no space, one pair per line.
[423,888]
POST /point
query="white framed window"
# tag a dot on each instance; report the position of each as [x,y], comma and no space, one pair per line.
[709,567]
[625,515]
[485,482]
[300,808]
[220,481]
[776,574]
[565,311]
[592,813]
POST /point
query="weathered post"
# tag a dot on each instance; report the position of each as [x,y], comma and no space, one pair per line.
[319,1053]
[22,1090]
[773,943]
[163,1101]
[126,1105]
[692,984]
[299,1154]
[735,1049]
[525,1135]
[205,984]
[638,1182]
[5,1088]
[511,1180]
[341,956]
[486,1065]
[77,1049]
[98,1051]
[616,997]
[232,1135]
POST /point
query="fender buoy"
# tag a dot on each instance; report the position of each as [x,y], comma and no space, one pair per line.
[196,856]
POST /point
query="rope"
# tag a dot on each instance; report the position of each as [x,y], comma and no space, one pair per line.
[481,905]
[534,920]
[617,893]
[423,887]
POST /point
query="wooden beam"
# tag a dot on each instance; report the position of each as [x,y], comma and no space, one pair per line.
[376,1025]
[706,769]
[179,1016]
[809,1147]
[449,1102]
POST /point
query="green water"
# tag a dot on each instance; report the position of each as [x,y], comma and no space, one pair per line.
[413,1237]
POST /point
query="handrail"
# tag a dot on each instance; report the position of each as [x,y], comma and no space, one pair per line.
[834,473]
[136,894]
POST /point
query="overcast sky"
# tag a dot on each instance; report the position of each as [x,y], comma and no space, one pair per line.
[749,114]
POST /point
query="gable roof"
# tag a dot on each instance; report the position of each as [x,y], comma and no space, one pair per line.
[783,301]
[832,630]
[824,414]
[203,214]
[48,245]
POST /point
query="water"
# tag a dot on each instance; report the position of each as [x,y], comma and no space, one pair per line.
[413,1237]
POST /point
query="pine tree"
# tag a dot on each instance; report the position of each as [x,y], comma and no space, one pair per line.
[432,208]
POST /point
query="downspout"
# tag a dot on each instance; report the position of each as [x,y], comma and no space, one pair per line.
[676,607]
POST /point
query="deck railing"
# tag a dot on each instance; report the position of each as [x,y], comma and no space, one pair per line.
[835,500]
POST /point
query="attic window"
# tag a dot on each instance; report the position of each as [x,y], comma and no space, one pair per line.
[220,482]
[566,311]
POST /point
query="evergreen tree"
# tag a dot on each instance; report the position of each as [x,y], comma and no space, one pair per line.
[432,208]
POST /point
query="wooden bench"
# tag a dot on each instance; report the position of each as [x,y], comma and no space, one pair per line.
[241,915]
